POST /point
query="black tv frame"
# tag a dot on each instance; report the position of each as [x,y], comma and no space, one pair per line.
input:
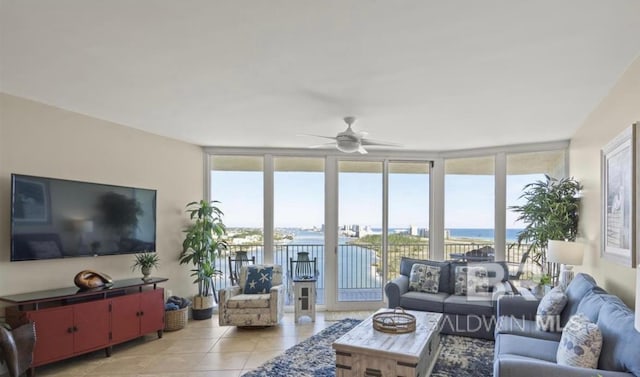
[51,231]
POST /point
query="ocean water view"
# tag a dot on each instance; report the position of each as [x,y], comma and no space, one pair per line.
[308,237]
[484,234]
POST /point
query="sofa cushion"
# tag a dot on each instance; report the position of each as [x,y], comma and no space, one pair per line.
[530,347]
[424,278]
[258,280]
[524,327]
[620,340]
[592,302]
[549,309]
[523,366]
[580,344]
[247,301]
[576,290]
[426,302]
[444,284]
[467,305]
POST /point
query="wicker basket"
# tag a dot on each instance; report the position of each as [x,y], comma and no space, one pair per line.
[176,319]
[395,322]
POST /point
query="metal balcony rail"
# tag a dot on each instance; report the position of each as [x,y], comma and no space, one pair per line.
[360,267]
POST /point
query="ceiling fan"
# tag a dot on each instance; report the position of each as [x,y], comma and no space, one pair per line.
[350,141]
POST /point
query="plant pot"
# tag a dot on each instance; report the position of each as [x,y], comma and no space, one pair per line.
[200,314]
[202,307]
[202,302]
[146,273]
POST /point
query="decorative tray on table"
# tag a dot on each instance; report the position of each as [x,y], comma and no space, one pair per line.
[395,321]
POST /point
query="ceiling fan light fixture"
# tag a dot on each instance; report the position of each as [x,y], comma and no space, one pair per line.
[347,146]
[349,141]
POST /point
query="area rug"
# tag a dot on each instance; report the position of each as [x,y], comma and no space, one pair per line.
[314,357]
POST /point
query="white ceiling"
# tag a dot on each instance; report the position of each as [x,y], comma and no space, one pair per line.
[432,75]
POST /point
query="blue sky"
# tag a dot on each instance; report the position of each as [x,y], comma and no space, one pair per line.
[299,199]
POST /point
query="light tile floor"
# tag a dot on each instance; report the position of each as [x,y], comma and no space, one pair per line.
[201,349]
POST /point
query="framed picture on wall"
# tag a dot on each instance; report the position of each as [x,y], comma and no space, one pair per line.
[618,213]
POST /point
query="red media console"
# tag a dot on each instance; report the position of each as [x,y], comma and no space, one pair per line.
[70,322]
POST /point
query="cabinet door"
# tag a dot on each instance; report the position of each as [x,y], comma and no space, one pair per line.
[152,307]
[54,334]
[91,321]
[125,317]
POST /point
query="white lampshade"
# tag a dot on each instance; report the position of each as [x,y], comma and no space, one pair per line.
[564,252]
[638,298]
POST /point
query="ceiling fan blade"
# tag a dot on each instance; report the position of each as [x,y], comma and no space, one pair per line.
[361,134]
[381,143]
[361,150]
[322,136]
[331,144]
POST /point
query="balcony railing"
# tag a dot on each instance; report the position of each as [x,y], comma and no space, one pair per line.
[360,265]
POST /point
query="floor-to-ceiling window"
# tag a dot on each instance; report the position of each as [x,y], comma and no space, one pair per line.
[523,169]
[360,225]
[378,208]
[469,217]
[298,212]
[408,213]
[237,183]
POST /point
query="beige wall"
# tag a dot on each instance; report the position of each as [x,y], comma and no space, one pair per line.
[41,140]
[618,110]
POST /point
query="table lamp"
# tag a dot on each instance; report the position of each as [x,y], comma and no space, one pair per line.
[568,254]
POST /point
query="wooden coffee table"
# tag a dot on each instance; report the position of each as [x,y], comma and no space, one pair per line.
[364,351]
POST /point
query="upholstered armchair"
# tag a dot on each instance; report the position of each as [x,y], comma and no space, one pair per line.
[16,349]
[239,306]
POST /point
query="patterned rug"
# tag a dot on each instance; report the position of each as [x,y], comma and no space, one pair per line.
[314,357]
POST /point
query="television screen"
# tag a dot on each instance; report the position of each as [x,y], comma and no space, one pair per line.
[57,218]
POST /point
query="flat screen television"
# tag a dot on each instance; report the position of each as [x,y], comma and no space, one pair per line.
[59,218]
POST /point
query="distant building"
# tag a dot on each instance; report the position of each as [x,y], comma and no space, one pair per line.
[413,230]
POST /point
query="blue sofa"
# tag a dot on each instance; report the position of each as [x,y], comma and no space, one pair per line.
[462,316]
[521,350]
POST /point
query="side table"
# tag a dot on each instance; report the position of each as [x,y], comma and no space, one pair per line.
[305,298]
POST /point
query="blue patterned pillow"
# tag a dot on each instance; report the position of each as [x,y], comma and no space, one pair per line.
[580,344]
[258,280]
[549,310]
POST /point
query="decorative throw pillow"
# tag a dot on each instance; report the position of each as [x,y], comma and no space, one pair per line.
[471,281]
[580,344]
[477,281]
[549,309]
[258,280]
[424,278]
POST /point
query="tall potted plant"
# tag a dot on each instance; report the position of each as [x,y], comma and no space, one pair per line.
[203,243]
[550,213]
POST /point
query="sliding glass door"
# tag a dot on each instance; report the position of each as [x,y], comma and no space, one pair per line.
[359,251]
[298,216]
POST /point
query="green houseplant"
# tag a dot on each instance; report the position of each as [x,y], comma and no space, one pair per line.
[145,262]
[550,213]
[203,243]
